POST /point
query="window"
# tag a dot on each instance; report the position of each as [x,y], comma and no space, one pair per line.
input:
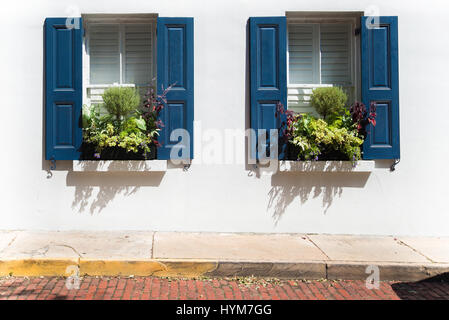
[371,66]
[321,52]
[118,50]
[85,55]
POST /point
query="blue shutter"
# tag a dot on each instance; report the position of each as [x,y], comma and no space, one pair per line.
[380,84]
[63,88]
[268,78]
[175,67]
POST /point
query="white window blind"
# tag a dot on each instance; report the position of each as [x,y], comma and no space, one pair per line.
[335,54]
[138,54]
[303,58]
[318,55]
[119,54]
[104,50]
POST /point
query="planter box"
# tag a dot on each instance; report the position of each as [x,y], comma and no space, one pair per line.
[115,154]
[326,166]
[120,166]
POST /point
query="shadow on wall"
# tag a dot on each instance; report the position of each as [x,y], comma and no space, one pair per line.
[94,191]
[287,188]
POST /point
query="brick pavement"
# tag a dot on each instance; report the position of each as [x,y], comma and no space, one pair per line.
[152,288]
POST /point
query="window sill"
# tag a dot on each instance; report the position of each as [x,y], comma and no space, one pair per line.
[101,86]
[120,166]
[326,166]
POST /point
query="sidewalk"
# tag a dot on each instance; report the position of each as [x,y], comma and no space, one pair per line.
[164,254]
[154,288]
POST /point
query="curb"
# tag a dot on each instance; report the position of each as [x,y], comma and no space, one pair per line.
[314,270]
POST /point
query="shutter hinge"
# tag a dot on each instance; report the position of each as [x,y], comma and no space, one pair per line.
[52,163]
[52,167]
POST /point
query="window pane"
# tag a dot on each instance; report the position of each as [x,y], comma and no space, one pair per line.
[302,56]
[104,51]
[138,54]
[335,54]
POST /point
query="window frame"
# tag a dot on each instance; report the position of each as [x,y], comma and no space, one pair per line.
[319,18]
[121,20]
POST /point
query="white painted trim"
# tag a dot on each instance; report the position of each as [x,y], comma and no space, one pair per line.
[100,86]
[154,55]
[120,166]
[86,67]
[326,166]
[308,86]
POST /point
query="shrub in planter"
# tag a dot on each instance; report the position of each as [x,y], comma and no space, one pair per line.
[328,101]
[120,102]
[126,132]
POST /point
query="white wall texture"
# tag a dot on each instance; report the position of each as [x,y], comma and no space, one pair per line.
[411,201]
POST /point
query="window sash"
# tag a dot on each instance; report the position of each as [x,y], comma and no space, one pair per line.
[104,54]
[94,89]
[299,92]
[311,34]
[124,50]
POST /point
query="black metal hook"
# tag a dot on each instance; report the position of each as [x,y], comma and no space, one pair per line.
[395,163]
[52,167]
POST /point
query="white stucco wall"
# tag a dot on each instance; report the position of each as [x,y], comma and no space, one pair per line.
[411,201]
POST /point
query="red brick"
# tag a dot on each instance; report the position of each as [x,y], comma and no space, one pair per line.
[156,288]
[182,289]
[291,294]
[228,293]
[164,291]
[210,293]
[173,290]
[201,291]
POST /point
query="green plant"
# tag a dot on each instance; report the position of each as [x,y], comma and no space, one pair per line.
[125,127]
[121,102]
[342,120]
[328,101]
[102,132]
[93,121]
[316,139]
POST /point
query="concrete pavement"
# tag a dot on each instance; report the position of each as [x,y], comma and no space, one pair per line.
[172,254]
